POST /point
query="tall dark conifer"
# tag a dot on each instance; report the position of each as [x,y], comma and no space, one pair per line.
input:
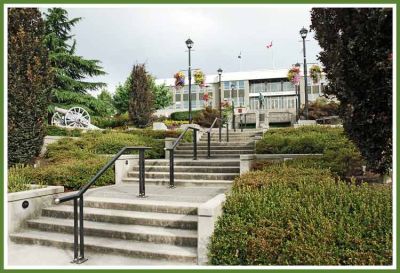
[29,81]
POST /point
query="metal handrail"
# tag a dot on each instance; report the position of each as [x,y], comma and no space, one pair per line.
[80,257]
[172,149]
[209,134]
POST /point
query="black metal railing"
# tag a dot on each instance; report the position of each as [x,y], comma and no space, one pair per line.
[172,149]
[221,122]
[79,254]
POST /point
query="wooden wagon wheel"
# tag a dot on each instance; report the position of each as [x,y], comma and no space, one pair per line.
[77,117]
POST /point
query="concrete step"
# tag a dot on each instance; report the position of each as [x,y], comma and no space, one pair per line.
[215,152]
[204,156]
[126,217]
[182,182]
[220,147]
[159,235]
[218,144]
[109,245]
[191,169]
[143,205]
[199,162]
[223,142]
[185,175]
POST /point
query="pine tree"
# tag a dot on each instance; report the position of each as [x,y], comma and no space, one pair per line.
[71,71]
[29,79]
[141,99]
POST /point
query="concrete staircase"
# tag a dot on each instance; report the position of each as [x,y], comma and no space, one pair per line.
[163,226]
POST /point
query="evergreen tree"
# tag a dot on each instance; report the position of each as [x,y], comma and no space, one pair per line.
[106,100]
[141,99]
[357,55]
[71,71]
[29,79]
[121,96]
[162,95]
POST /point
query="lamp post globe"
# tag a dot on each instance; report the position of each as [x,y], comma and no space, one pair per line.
[303,34]
[189,44]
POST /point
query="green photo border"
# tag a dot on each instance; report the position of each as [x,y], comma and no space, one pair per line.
[2,121]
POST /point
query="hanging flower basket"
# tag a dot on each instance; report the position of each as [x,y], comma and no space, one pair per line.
[199,78]
[315,73]
[206,97]
[179,79]
[294,75]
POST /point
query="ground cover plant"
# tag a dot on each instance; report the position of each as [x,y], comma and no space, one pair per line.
[72,162]
[294,215]
[340,155]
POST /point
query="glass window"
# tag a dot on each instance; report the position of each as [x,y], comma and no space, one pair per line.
[227,94]
[288,86]
[241,93]
[227,85]
[185,97]
[274,87]
[241,84]
[234,93]
[178,97]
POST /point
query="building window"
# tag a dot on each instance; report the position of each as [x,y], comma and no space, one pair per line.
[241,84]
[227,86]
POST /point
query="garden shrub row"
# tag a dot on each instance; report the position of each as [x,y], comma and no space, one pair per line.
[340,155]
[184,115]
[293,215]
[117,121]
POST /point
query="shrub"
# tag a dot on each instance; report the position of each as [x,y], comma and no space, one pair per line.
[184,115]
[18,180]
[60,131]
[74,173]
[172,124]
[340,155]
[288,215]
[206,117]
[111,122]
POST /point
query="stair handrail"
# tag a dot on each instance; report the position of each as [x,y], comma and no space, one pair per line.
[220,139]
[80,257]
[172,149]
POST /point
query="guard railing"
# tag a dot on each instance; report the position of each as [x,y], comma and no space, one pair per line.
[172,149]
[79,254]
[220,138]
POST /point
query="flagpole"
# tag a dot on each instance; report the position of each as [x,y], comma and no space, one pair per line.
[273,59]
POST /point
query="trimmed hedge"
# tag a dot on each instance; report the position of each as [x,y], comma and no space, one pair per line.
[117,121]
[52,130]
[340,155]
[184,115]
[289,215]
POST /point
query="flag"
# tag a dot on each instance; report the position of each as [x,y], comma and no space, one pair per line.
[240,55]
[270,45]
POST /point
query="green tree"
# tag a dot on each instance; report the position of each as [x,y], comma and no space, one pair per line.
[71,83]
[29,79]
[141,98]
[121,97]
[162,95]
[106,100]
[357,55]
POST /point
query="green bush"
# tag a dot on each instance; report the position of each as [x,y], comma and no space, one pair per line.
[60,131]
[289,215]
[184,115]
[206,117]
[116,121]
[340,155]
[18,179]
[73,173]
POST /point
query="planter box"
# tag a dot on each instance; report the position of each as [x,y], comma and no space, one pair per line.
[25,205]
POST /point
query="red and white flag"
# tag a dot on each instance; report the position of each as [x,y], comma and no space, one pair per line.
[269,45]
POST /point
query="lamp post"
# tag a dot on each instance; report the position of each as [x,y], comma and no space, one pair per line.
[189,44]
[220,101]
[297,86]
[303,33]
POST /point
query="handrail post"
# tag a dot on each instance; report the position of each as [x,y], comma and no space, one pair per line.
[194,144]
[171,169]
[142,192]
[227,132]
[233,122]
[245,122]
[208,144]
[241,123]
[81,234]
[220,129]
[76,258]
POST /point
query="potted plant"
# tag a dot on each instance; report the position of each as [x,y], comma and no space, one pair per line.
[199,78]
[315,73]
[179,79]
[294,75]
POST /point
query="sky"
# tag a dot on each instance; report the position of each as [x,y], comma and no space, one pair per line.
[120,37]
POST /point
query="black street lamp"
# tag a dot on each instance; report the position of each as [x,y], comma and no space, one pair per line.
[189,44]
[303,33]
[220,102]
[297,88]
